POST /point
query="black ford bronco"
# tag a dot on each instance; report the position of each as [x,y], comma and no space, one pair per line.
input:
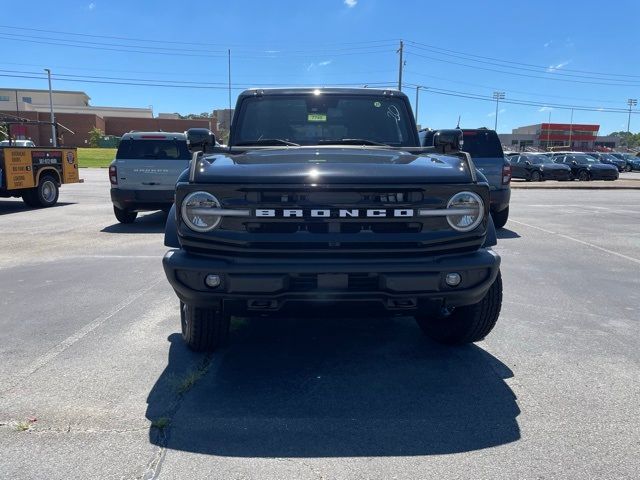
[325,198]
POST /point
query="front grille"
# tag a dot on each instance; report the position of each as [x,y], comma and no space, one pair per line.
[334,235]
[357,282]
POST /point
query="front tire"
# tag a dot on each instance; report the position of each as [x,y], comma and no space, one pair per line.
[500,218]
[203,329]
[124,216]
[466,324]
[535,176]
[584,176]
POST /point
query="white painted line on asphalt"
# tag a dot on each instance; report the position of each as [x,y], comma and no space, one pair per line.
[69,341]
[577,240]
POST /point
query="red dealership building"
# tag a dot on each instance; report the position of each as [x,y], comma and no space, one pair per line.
[577,136]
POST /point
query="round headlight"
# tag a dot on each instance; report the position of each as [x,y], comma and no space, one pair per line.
[467,211]
[194,211]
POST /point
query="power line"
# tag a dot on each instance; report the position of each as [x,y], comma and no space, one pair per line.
[155,40]
[519,74]
[435,49]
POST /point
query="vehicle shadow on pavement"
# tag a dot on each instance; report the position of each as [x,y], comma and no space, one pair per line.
[505,234]
[145,223]
[17,206]
[333,387]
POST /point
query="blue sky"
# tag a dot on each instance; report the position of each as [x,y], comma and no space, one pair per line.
[540,52]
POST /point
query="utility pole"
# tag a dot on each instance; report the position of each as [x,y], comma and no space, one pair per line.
[549,131]
[497,96]
[632,102]
[400,51]
[17,107]
[417,96]
[571,130]
[54,140]
[229,122]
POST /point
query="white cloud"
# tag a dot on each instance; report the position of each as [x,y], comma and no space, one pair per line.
[548,44]
[92,6]
[493,114]
[558,66]
[350,3]
[313,65]
[545,109]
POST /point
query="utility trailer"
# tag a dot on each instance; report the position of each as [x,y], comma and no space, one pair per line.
[36,173]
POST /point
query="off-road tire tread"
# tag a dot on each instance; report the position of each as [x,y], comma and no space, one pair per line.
[467,324]
[207,330]
[500,218]
[124,216]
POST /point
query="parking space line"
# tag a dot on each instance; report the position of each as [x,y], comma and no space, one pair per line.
[577,240]
[69,341]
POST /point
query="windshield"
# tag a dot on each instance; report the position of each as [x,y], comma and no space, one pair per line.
[324,119]
[585,159]
[537,160]
[482,143]
[153,149]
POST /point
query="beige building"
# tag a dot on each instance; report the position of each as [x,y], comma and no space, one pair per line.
[34,100]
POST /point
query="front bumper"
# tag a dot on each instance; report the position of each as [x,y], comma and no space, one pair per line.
[142,199]
[560,175]
[262,285]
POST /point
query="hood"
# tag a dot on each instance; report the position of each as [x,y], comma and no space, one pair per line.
[331,165]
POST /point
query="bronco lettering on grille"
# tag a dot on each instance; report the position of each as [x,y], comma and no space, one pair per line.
[335,213]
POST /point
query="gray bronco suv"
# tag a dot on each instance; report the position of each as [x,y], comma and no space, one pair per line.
[325,201]
[144,172]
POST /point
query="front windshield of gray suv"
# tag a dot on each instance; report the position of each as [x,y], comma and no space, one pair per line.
[325,119]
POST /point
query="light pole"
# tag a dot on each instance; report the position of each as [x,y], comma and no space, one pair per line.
[54,140]
[571,130]
[497,96]
[632,102]
[549,132]
[417,93]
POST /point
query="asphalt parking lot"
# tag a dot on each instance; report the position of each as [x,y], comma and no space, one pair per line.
[95,381]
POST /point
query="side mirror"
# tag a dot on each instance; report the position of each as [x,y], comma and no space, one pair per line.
[448,140]
[200,139]
[574,162]
[527,163]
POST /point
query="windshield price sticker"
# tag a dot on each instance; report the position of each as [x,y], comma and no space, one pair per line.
[316,117]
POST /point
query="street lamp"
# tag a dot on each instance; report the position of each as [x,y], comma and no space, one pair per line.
[632,102]
[54,140]
[497,96]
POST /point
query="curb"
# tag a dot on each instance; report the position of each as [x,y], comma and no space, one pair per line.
[561,187]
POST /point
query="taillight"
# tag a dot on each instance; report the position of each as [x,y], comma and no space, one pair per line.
[506,174]
[113,175]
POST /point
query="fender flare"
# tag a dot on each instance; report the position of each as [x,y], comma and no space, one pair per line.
[491,239]
[46,170]
[171,229]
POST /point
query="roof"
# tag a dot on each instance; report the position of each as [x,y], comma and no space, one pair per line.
[140,135]
[321,90]
[44,90]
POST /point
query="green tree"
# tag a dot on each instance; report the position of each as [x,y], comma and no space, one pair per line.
[95,135]
[627,139]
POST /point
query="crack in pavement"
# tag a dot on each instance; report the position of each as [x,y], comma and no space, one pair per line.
[208,365]
[69,341]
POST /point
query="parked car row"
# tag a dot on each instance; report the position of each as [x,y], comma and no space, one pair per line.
[564,166]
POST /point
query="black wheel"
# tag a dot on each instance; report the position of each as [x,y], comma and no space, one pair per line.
[466,324]
[584,176]
[124,216]
[627,168]
[203,329]
[500,218]
[535,176]
[45,194]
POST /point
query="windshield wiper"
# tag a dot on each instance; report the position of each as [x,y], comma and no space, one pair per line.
[353,141]
[267,141]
